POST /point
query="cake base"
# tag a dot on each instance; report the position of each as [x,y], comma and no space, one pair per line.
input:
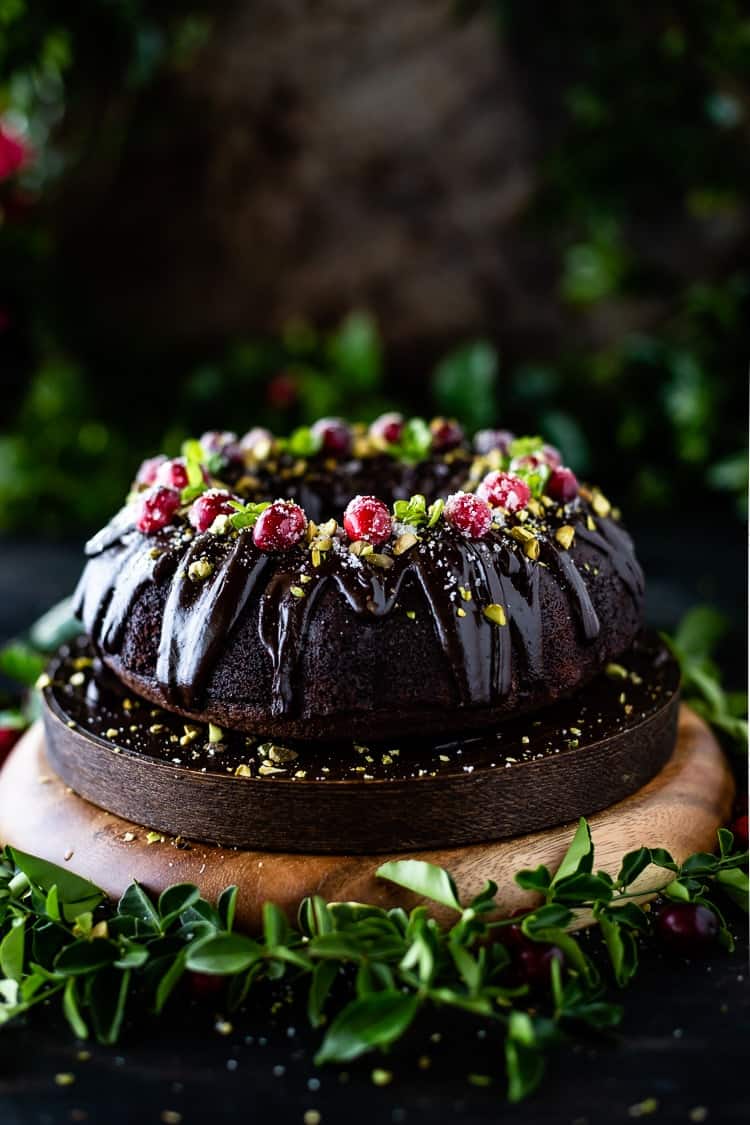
[679,809]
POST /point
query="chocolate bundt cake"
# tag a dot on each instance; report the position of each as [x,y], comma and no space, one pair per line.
[360,582]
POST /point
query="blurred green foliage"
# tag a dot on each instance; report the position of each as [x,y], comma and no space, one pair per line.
[653,124]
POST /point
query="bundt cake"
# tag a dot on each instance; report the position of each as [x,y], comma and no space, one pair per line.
[351,581]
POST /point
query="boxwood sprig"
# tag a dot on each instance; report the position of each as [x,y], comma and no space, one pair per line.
[60,938]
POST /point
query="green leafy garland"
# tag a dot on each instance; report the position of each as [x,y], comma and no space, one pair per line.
[59,938]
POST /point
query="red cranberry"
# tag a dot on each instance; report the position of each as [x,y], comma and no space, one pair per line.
[485,441]
[469,514]
[13,153]
[149,469]
[388,428]
[335,436]
[280,526]
[282,391]
[552,456]
[531,961]
[156,509]
[204,986]
[9,736]
[367,518]
[173,474]
[501,490]
[687,928]
[446,434]
[739,830]
[208,506]
[562,485]
[223,443]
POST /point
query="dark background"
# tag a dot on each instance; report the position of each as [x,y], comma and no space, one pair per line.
[517,213]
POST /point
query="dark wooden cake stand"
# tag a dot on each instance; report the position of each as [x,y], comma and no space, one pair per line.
[680,808]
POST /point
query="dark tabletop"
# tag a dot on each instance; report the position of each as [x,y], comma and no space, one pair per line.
[681,1051]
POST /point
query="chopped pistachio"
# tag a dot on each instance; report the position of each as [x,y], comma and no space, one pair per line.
[461,612]
[43,681]
[154,838]
[200,569]
[381,1077]
[565,535]
[385,562]
[297,591]
[305,578]
[465,594]
[156,728]
[404,543]
[111,732]
[496,614]
[591,523]
[77,679]
[531,548]
[215,734]
[616,672]
[522,534]
[282,754]
[600,504]
[411,614]
[243,771]
[82,662]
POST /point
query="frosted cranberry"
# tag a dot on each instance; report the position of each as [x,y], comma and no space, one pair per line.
[280,526]
[335,436]
[502,490]
[471,515]
[739,830]
[485,441]
[208,506]
[216,441]
[562,485]
[552,456]
[687,928]
[367,518]
[255,439]
[149,469]
[157,508]
[388,428]
[173,474]
[446,434]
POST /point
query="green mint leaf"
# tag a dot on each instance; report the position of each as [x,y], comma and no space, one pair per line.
[193,452]
[367,1022]
[412,511]
[224,954]
[415,443]
[75,894]
[580,854]
[525,446]
[20,662]
[246,514]
[434,512]
[425,879]
[303,442]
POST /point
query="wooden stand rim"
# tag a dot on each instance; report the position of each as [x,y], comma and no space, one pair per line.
[680,809]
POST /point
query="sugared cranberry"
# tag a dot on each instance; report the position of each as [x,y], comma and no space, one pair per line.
[172,474]
[222,443]
[388,428]
[208,506]
[13,152]
[256,439]
[471,515]
[156,509]
[552,456]
[501,490]
[739,830]
[367,518]
[280,526]
[485,441]
[446,434]
[9,736]
[204,986]
[562,485]
[335,436]
[149,468]
[687,928]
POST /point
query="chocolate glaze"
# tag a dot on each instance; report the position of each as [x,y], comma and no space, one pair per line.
[198,617]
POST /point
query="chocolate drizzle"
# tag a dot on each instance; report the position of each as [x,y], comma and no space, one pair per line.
[453,578]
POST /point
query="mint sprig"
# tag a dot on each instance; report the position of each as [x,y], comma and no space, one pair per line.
[415,442]
[416,512]
[246,515]
[61,940]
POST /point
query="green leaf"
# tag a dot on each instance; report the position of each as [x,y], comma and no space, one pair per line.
[537,880]
[275,925]
[135,903]
[314,916]
[580,854]
[633,865]
[12,950]
[623,952]
[465,384]
[304,442]
[425,879]
[356,351]
[321,981]
[524,1064]
[412,512]
[227,906]
[247,515]
[72,1012]
[224,954]
[169,981]
[56,627]
[734,883]
[415,442]
[583,887]
[701,863]
[367,1022]
[677,890]
[75,894]
[82,957]
[18,661]
[175,900]
[108,995]
[699,632]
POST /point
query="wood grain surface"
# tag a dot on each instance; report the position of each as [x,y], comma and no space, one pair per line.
[679,809]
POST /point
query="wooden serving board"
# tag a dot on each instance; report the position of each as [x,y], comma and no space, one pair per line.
[679,809]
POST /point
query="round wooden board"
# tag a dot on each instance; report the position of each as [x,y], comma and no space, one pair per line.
[679,809]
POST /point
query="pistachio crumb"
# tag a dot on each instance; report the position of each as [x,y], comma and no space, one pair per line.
[565,535]
[496,614]
[200,569]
